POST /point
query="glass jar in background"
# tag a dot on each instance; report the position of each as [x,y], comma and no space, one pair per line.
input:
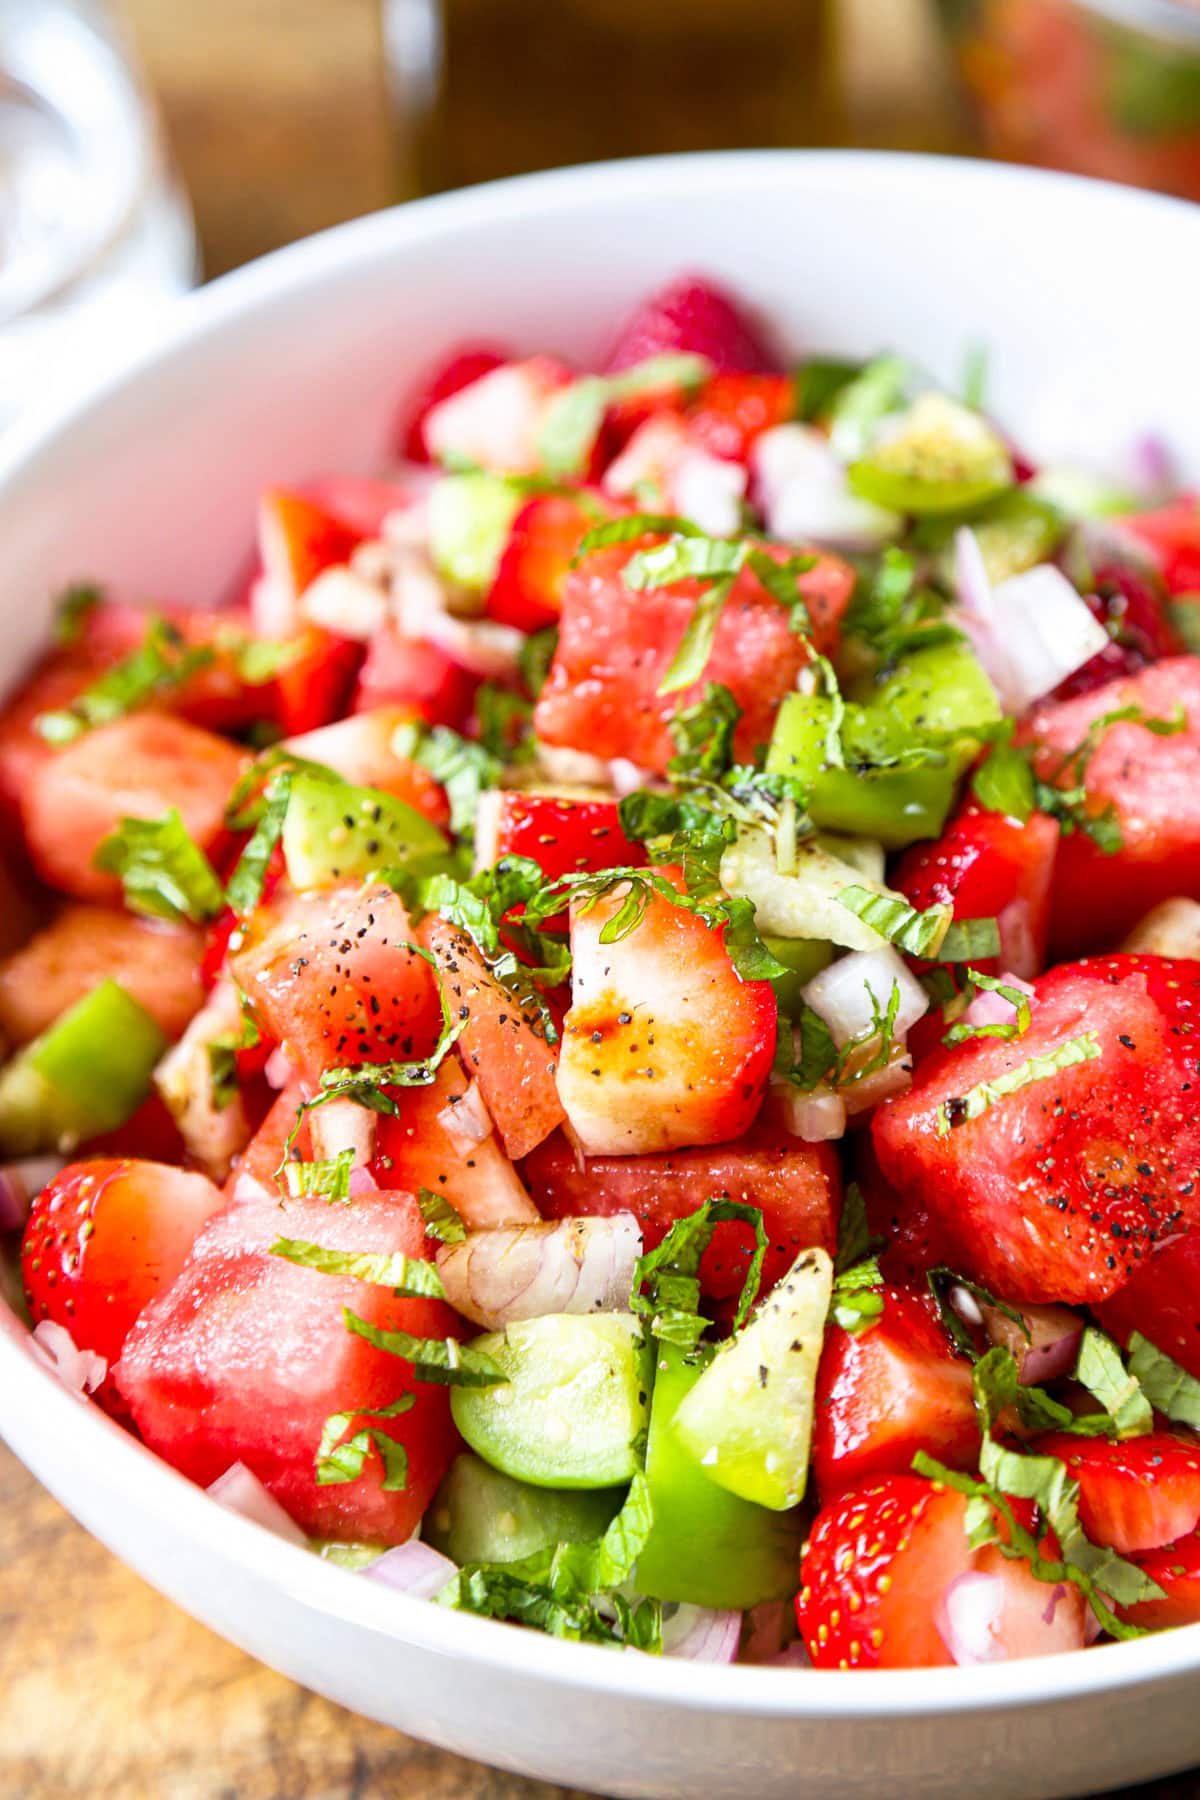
[94,237]
[1099,87]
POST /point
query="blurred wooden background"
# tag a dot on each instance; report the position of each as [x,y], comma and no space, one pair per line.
[282,120]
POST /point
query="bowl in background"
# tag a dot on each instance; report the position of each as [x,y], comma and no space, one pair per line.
[295,367]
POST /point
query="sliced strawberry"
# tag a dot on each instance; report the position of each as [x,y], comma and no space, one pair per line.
[561,835]
[1176,1569]
[313,686]
[1150,784]
[880,1580]
[334,977]
[458,370]
[886,1392]
[664,1046]
[137,767]
[495,420]
[987,866]
[615,647]
[691,313]
[1058,1190]
[503,1045]
[405,672]
[1136,1495]
[797,1185]
[1161,1299]
[103,1238]
[421,1148]
[731,411]
[359,749]
[536,560]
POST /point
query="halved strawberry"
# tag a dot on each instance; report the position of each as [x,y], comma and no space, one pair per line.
[691,313]
[886,1392]
[1131,603]
[502,1045]
[535,562]
[1161,1299]
[797,1185]
[615,647]
[987,866]
[880,1579]
[562,835]
[664,1045]
[1055,1185]
[1176,1569]
[103,1238]
[1135,1495]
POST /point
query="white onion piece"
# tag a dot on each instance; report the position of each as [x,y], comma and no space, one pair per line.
[968,1618]
[494,420]
[650,459]
[246,1187]
[487,828]
[843,994]
[572,768]
[700,1634]
[1170,929]
[347,603]
[467,1117]
[804,904]
[241,1492]
[989,1008]
[342,1125]
[710,491]
[802,492]
[414,1568]
[1152,466]
[816,1117]
[1030,632]
[20,1183]
[526,1271]
[1050,1349]
[272,607]
[80,1371]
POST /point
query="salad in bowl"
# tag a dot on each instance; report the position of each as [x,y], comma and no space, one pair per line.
[611,1041]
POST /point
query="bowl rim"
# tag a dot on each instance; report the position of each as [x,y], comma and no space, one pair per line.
[40,1405]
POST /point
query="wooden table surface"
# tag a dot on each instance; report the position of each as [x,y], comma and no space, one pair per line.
[277,114]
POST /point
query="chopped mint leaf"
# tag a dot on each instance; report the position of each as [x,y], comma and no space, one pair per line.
[1003,782]
[628,526]
[855,1242]
[666,1284]
[941,1281]
[163,871]
[245,887]
[857,1301]
[71,611]
[441,1220]
[1100,1370]
[326,1178]
[411,1279]
[963,1033]
[162,662]
[703,735]
[443,1361]
[818,383]
[574,414]
[1169,1389]
[918,933]
[256,661]
[341,1462]
[223,1051]
[464,768]
[977,1100]
[969,939]
[535,656]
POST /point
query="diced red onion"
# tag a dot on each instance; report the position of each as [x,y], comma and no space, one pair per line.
[816,1118]
[794,1657]
[361,1182]
[1092,1628]
[467,1118]
[414,1568]
[242,1492]
[988,1008]
[767,1630]
[526,1271]
[700,1634]
[20,1183]
[278,1069]
[1018,945]
[1030,631]
[80,1371]
[1050,1349]
[343,1125]
[710,491]
[340,600]
[842,994]
[801,489]
[968,1616]
[1152,465]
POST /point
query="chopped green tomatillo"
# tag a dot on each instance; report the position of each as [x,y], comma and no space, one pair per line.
[748,1420]
[707,1546]
[938,457]
[480,1515]
[802,958]
[333,831]
[85,1075]
[576,1400]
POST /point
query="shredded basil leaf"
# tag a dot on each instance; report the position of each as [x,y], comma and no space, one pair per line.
[1169,1388]
[1003,783]
[977,1100]
[1100,1370]
[666,1284]
[918,933]
[244,890]
[163,870]
[407,1278]
[464,768]
[628,526]
[325,1178]
[443,1361]
[962,1033]
[343,1462]
[162,662]
[441,1220]
[703,736]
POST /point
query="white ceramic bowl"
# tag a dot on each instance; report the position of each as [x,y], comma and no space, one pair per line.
[1086,296]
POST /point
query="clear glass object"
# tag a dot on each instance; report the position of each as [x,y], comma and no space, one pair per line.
[95,237]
